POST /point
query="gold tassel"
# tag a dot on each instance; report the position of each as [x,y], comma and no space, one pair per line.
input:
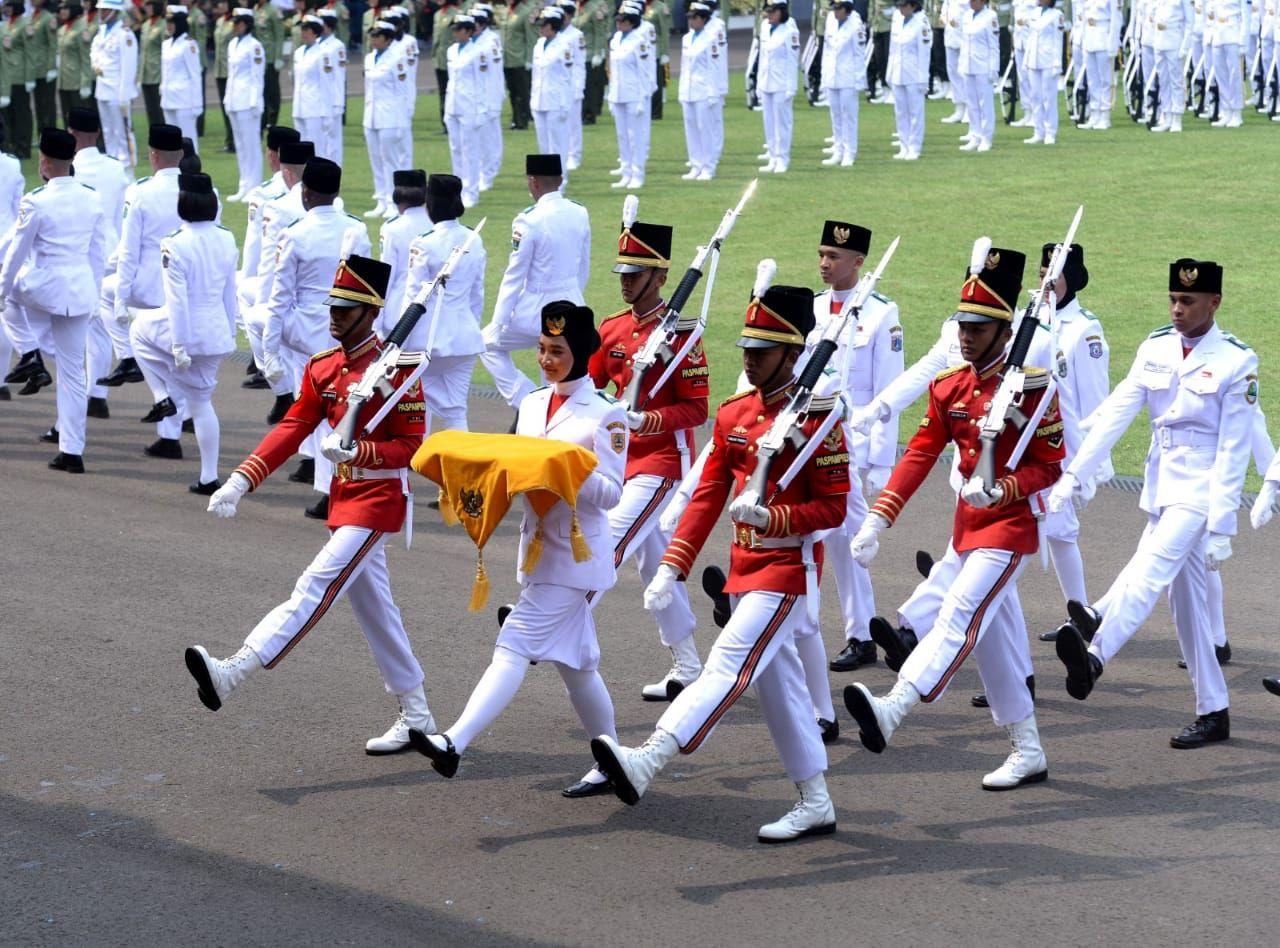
[581,552]
[533,552]
[480,589]
[447,513]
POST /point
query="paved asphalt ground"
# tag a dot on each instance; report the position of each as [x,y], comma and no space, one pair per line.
[131,815]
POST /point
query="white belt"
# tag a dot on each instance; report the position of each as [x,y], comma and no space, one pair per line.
[747,538]
[1179,438]
[348,474]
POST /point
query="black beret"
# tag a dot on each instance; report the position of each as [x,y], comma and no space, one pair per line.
[543,166]
[81,119]
[165,137]
[409,178]
[297,153]
[277,135]
[57,144]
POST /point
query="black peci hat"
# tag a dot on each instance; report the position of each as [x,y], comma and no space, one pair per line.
[783,316]
[643,246]
[444,197]
[278,135]
[543,166]
[80,119]
[1191,276]
[1074,269]
[409,178]
[297,153]
[164,137]
[195,183]
[844,236]
[576,325]
[993,293]
[360,281]
[322,176]
[58,144]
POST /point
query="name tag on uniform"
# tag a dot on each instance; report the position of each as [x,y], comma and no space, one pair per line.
[617,354]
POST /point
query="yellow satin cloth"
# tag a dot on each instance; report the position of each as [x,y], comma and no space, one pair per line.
[479,475]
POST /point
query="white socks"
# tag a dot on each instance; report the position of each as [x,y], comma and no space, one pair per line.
[493,692]
[590,698]
[813,658]
[1069,566]
[208,437]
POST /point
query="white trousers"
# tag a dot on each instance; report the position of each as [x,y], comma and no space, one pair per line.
[1173,93]
[117,332]
[117,132]
[853,581]
[68,334]
[491,151]
[715,130]
[185,119]
[1024,78]
[335,137]
[1100,75]
[908,110]
[253,320]
[386,150]
[445,387]
[149,336]
[552,128]
[980,107]
[575,135]
[552,623]
[1226,69]
[465,146]
[955,78]
[1041,96]
[631,124]
[1170,556]
[296,350]
[246,130]
[192,389]
[317,130]
[844,105]
[18,332]
[499,343]
[756,647]
[353,564]
[778,120]
[699,129]
[978,613]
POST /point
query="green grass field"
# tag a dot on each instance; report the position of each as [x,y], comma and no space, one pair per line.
[1148,199]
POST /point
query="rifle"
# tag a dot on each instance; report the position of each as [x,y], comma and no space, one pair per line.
[377,377]
[1006,403]
[660,346]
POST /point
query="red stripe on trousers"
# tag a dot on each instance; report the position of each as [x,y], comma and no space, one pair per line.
[971,633]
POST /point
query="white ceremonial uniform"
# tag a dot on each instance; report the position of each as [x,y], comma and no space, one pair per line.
[550,260]
[1102,22]
[776,78]
[297,317]
[394,239]
[632,82]
[1042,63]
[14,332]
[312,103]
[337,94]
[844,77]
[1024,11]
[699,94]
[954,13]
[1229,22]
[720,58]
[52,269]
[276,215]
[1267,45]
[551,95]
[910,44]
[113,55]
[182,84]
[493,92]
[578,44]
[979,66]
[1202,409]
[458,341]
[407,49]
[111,181]
[243,101]
[255,203]
[386,117]
[464,116]
[12,185]
[198,263]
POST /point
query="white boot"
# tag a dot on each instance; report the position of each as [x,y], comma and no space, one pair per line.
[847,160]
[1224,115]
[1095,115]
[633,768]
[216,678]
[685,670]
[1035,139]
[1104,120]
[1235,118]
[1175,122]
[878,718]
[814,815]
[413,713]
[1163,124]
[379,209]
[953,118]
[1025,765]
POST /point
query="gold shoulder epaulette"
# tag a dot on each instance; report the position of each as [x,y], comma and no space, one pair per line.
[945,373]
[1037,378]
[734,398]
[321,355]
[621,312]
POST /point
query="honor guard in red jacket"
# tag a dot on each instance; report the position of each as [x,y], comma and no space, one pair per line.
[993,531]
[661,443]
[369,499]
[773,572]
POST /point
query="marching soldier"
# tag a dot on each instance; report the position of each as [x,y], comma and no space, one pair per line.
[181,75]
[268,29]
[516,22]
[52,268]
[661,441]
[777,77]
[114,59]
[550,260]
[593,20]
[75,77]
[630,92]
[843,77]
[150,39]
[370,487]
[993,532]
[1200,385]
[243,102]
[772,574]
[409,219]
[386,117]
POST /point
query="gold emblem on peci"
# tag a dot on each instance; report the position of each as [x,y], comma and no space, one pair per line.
[993,259]
[555,325]
[472,503]
[841,234]
[1187,276]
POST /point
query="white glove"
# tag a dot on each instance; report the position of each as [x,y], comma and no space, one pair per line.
[121,312]
[663,60]
[635,419]
[1217,551]
[865,417]
[331,447]
[659,593]
[1085,492]
[748,498]
[866,543]
[975,494]
[876,478]
[51,75]
[85,92]
[753,515]
[29,86]
[278,64]
[597,59]
[180,358]
[1060,496]
[670,518]
[223,501]
[1261,513]
[273,371]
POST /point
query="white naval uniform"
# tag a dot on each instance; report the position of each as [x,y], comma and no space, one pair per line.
[777,74]
[632,82]
[979,66]
[113,54]
[1228,22]
[297,317]
[699,94]
[1202,409]
[243,101]
[578,43]
[386,118]
[844,77]
[910,43]
[111,181]
[337,96]
[199,317]
[458,341]
[1102,23]
[953,14]
[494,91]
[274,216]
[1024,11]
[463,115]
[1174,36]
[1042,63]
[550,260]
[394,240]
[551,95]
[52,268]
[182,84]
[312,96]
[720,39]
[14,332]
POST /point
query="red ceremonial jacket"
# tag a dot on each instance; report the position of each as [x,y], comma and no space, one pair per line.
[353,502]
[680,405]
[958,399]
[814,501]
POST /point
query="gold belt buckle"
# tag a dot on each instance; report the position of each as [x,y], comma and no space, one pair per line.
[745,536]
[345,471]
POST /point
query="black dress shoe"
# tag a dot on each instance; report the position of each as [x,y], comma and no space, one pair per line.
[35,381]
[256,380]
[896,644]
[855,654]
[126,371]
[98,408]
[713,583]
[503,612]
[1206,729]
[1083,669]
[1272,684]
[188,426]
[1085,618]
[980,699]
[444,762]
[252,368]
[1221,652]
[856,703]
[924,563]
[319,510]
[305,472]
[22,369]
[159,411]
[71,463]
[4,394]
[170,449]
[205,489]
[282,405]
[1050,636]
[585,788]
[830,730]
[50,436]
